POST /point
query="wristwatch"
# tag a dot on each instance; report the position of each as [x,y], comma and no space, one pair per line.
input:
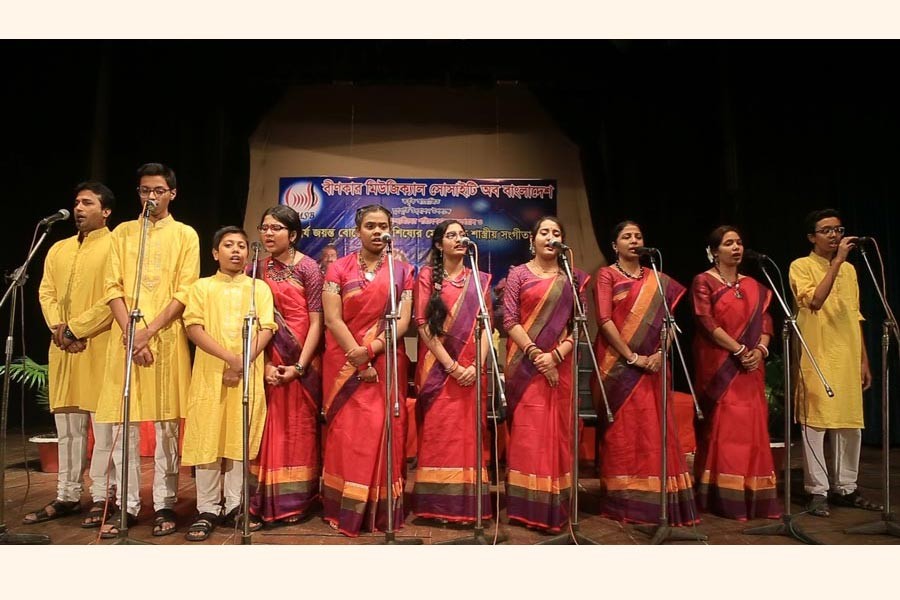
[299,368]
[68,334]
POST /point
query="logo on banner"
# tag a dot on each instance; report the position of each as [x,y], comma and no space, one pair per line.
[303,198]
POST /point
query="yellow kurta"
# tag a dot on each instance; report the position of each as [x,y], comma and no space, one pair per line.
[214,419]
[834,338]
[171,265]
[72,291]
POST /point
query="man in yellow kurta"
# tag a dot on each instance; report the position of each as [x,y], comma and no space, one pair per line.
[162,367]
[213,438]
[827,296]
[72,300]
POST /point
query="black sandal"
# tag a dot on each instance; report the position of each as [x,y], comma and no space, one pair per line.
[114,521]
[818,506]
[855,500]
[235,519]
[94,517]
[201,528]
[60,509]
[164,516]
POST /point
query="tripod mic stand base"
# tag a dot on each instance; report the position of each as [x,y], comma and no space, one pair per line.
[785,528]
[570,537]
[888,525]
[390,539]
[476,539]
[665,533]
[22,539]
[127,541]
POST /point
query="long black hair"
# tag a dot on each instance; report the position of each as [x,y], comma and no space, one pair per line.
[436,310]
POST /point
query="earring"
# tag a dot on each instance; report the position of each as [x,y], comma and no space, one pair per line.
[531,248]
[709,255]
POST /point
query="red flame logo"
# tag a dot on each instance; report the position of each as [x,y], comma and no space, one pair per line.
[302,200]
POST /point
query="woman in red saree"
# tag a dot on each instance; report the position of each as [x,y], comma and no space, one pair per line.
[630,314]
[287,468]
[735,474]
[538,307]
[446,307]
[356,298]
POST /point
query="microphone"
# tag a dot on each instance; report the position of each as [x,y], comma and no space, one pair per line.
[864,240]
[645,250]
[464,241]
[256,247]
[754,255]
[385,237]
[60,215]
[559,245]
[150,205]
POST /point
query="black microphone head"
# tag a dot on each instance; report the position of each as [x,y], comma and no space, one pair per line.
[754,255]
[559,245]
[63,214]
[385,237]
[464,241]
[645,250]
[864,240]
[256,246]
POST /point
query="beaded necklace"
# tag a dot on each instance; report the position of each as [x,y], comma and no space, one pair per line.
[639,276]
[735,285]
[364,270]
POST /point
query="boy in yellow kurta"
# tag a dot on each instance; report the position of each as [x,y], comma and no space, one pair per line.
[827,296]
[72,300]
[162,366]
[213,438]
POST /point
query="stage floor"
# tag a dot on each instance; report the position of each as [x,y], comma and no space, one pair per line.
[22,497]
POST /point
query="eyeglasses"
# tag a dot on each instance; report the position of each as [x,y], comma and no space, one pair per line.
[830,230]
[144,192]
[274,228]
[453,235]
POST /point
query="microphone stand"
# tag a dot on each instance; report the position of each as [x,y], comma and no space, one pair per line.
[134,316]
[663,531]
[888,525]
[482,323]
[250,319]
[572,536]
[391,401]
[17,280]
[787,527]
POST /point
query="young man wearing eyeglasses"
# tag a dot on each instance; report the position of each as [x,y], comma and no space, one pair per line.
[162,365]
[827,297]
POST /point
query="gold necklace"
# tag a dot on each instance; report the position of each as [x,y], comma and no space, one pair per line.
[543,270]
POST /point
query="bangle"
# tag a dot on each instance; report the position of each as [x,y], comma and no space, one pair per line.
[568,339]
[633,359]
[765,350]
[364,367]
[740,350]
[370,351]
[528,349]
[559,357]
[299,368]
[452,367]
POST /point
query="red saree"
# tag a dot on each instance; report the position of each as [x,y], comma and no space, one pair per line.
[285,475]
[735,474]
[445,411]
[539,454]
[630,452]
[355,466]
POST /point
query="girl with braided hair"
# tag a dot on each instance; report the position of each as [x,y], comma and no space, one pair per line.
[445,309]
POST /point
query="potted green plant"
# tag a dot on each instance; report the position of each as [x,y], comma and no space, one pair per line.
[35,377]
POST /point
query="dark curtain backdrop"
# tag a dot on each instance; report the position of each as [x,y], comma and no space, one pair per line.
[681,136]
